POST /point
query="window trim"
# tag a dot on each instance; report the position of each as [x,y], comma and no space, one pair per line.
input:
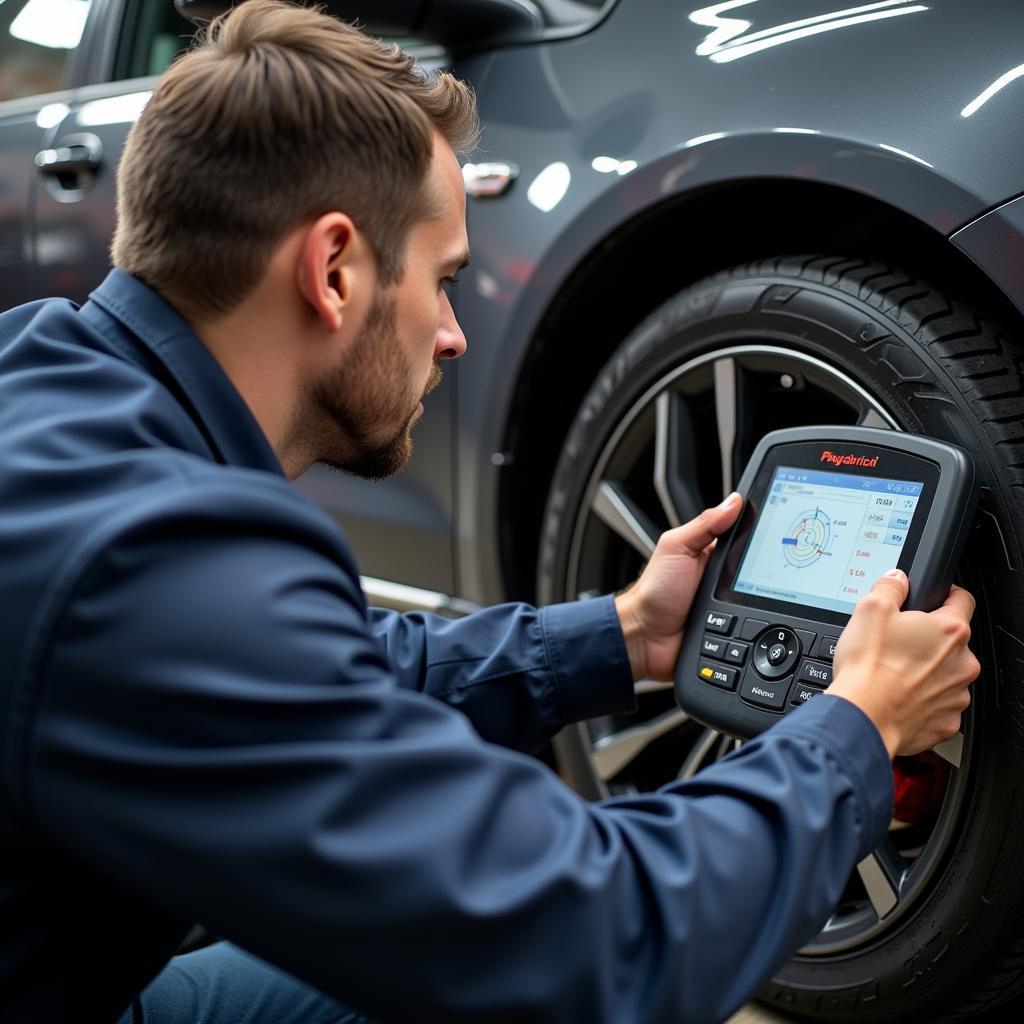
[93,61]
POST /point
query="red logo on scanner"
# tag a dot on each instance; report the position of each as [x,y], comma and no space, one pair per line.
[868,462]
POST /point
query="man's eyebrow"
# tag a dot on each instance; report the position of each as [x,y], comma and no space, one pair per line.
[459,262]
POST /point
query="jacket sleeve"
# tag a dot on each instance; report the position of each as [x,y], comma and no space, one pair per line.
[212,724]
[518,673]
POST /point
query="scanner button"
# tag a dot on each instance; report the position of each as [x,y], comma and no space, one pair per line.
[736,653]
[719,622]
[826,647]
[718,675]
[776,652]
[713,646]
[803,693]
[817,675]
[751,627]
[806,639]
[767,693]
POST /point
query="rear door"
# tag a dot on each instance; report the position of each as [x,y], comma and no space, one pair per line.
[130,42]
[38,44]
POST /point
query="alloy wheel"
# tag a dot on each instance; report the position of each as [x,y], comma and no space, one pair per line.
[677,449]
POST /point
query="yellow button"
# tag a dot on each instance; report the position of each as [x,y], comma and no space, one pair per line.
[706,672]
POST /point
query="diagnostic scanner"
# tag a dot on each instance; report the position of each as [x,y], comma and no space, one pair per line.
[827,511]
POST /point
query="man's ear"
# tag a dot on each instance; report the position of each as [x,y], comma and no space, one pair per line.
[332,266]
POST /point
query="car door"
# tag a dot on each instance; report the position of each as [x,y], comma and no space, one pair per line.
[401,528]
[129,44]
[38,41]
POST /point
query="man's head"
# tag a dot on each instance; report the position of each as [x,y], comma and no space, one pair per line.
[360,407]
[296,178]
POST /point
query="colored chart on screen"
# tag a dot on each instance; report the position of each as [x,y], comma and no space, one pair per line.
[823,538]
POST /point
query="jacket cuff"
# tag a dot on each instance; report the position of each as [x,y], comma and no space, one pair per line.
[587,654]
[843,730]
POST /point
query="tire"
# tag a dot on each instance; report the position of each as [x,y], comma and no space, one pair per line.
[850,341]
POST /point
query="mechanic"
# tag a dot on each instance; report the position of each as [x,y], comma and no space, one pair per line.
[203,722]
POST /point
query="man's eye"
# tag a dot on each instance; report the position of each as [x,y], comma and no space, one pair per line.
[447,282]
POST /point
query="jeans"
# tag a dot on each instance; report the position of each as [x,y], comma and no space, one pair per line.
[222,984]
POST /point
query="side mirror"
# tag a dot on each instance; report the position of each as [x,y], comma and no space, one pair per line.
[452,23]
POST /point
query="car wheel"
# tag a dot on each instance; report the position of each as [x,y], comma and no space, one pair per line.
[930,926]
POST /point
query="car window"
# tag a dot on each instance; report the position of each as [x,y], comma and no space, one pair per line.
[37,38]
[154,34]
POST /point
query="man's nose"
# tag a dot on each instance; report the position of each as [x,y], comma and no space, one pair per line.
[451,342]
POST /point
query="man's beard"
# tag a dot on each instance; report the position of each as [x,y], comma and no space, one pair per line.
[361,394]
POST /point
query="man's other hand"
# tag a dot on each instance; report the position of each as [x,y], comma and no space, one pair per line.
[909,672]
[654,609]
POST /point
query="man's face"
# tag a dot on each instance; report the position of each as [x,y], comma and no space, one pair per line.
[373,397]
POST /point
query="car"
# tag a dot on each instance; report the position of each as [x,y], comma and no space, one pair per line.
[689,227]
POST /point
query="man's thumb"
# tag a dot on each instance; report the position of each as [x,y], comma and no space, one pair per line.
[698,533]
[894,585]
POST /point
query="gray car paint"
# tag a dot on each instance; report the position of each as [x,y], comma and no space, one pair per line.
[873,107]
[995,242]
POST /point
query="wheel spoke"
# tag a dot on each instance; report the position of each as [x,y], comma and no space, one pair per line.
[651,686]
[614,752]
[699,753]
[675,459]
[871,418]
[951,750]
[620,514]
[882,871]
[726,416]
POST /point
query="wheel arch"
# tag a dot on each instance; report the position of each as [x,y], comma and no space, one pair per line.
[661,250]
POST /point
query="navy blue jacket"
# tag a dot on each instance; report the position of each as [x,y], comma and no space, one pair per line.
[202,722]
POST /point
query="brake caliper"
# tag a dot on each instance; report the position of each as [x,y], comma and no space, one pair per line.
[919,784]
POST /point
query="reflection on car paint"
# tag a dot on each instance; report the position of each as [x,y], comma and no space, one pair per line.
[57,24]
[730,40]
[699,140]
[997,86]
[609,165]
[51,114]
[548,189]
[903,152]
[114,109]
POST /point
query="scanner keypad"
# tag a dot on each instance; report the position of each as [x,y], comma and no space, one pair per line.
[778,668]
[719,622]
[826,648]
[713,646]
[815,673]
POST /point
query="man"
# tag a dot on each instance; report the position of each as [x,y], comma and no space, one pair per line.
[203,723]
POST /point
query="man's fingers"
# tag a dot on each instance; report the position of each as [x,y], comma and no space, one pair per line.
[698,533]
[961,602]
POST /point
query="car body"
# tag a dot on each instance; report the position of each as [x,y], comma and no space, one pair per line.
[630,149]
[707,139]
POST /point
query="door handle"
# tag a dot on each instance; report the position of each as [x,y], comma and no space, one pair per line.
[488,179]
[80,154]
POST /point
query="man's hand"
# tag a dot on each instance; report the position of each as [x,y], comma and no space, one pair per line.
[653,610]
[909,672]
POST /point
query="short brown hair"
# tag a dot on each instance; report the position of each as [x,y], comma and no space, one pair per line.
[276,115]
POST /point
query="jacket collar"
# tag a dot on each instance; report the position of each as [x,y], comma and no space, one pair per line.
[208,394]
